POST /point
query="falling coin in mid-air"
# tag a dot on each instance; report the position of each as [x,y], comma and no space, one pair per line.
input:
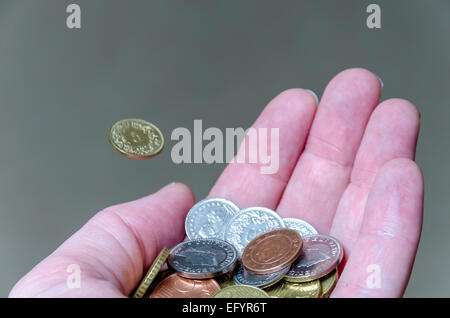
[136,138]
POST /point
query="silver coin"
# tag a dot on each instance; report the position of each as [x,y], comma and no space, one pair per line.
[246,277]
[320,256]
[207,218]
[248,224]
[302,227]
[203,258]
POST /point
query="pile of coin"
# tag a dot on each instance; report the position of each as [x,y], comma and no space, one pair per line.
[253,252]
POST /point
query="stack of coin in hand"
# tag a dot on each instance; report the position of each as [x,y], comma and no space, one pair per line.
[249,253]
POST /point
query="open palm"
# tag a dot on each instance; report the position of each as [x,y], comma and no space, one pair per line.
[346,167]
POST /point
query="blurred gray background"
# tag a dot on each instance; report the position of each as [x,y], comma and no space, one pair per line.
[171,62]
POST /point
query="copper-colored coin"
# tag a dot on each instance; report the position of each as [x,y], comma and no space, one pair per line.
[272,251]
[175,286]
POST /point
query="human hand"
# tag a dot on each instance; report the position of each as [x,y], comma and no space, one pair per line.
[346,167]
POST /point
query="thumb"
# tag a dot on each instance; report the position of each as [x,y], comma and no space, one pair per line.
[113,248]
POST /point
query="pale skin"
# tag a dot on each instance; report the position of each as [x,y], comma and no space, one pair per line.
[346,166]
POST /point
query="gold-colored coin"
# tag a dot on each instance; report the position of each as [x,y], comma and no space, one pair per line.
[286,289]
[241,291]
[136,138]
[227,283]
[151,273]
[328,283]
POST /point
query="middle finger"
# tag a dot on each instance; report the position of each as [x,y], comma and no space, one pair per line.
[323,170]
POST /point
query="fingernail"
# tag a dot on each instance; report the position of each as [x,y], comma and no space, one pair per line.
[168,186]
[313,94]
[381,81]
[172,184]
